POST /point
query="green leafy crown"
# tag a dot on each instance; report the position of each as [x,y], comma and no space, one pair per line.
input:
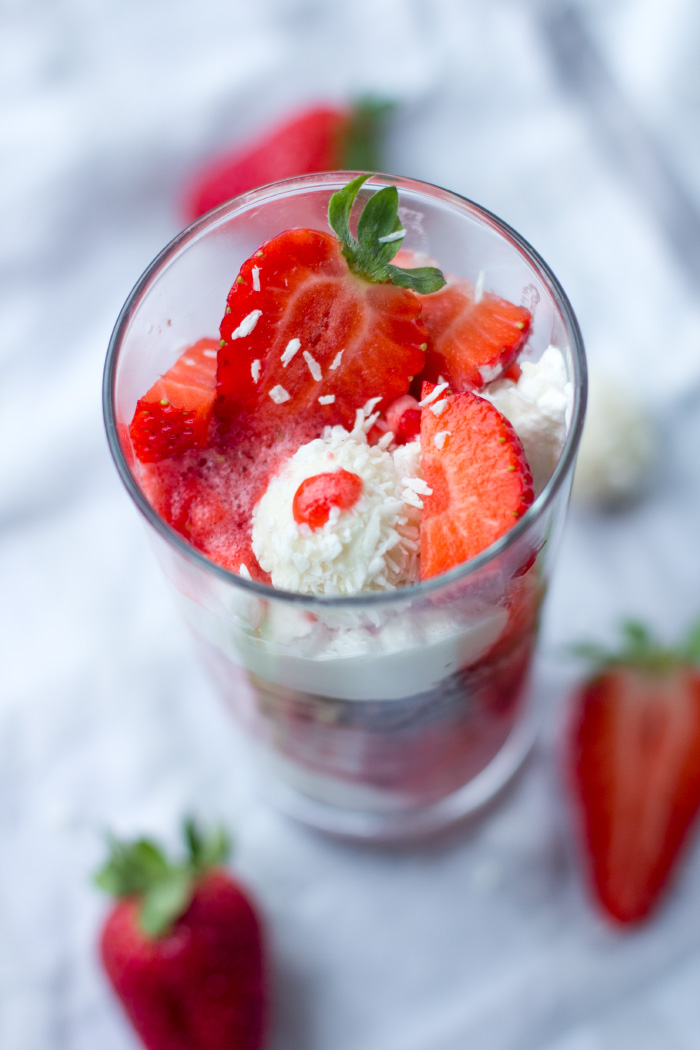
[640,649]
[379,237]
[164,889]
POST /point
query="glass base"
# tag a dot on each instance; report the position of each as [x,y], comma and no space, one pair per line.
[407,824]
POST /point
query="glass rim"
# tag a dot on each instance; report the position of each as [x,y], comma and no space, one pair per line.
[283,188]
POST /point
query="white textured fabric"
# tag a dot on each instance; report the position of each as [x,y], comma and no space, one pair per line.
[486,941]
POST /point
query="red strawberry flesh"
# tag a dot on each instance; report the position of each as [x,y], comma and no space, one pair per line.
[208,496]
[471,342]
[317,495]
[315,342]
[403,418]
[636,771]
[480,480]
[174,415]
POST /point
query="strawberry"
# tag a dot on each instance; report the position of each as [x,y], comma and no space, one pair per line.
[481,484]
[321,138]
[472,341]
[183,948]
[318,495]
[513,373]
[318,325]
[403,419]
[174,415]
[634,765]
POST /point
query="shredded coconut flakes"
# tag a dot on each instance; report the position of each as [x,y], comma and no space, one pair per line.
[433,395]
[396,236]
[255,370]
[368,407]
[279,395]
[336,360]
[373,546]
[247,325]
[314,366]
[326,399]
[289,352]
[419,485]
[255,271]
[439,407]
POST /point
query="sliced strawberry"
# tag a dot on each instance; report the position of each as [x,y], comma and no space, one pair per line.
[471,343]
[208,496]
[316,326]
[635,767]
[481,483]
[174,415]
[318,495]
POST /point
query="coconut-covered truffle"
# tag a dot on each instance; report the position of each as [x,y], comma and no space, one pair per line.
[366,544]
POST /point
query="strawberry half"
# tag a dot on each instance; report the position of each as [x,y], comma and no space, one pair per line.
[471,342]
[174,415]
[322,138]
[481,483]
[183,947]
[317,325]
[634,760]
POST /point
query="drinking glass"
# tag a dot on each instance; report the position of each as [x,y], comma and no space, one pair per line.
[383,715]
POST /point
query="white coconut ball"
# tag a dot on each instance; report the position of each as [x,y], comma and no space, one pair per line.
[618,446]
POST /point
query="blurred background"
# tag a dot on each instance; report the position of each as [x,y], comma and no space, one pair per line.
[577,123]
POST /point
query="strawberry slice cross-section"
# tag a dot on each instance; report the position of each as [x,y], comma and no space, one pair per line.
[474,338]
[634,767]
[316,325]
[481,483]
[174,415]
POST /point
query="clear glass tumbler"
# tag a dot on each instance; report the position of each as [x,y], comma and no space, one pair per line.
[380,716]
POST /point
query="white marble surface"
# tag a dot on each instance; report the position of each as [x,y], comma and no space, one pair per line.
[577,124]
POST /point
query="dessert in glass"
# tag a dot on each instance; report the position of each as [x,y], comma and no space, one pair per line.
[348,408]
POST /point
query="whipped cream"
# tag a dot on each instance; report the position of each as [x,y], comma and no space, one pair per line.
[373,546]
[539,406]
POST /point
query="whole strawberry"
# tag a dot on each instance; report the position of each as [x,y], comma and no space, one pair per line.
[320,138]
[635,767]
[183,947]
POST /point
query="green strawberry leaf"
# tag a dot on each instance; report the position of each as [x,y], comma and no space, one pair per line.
[640,649]
[379,229]
[206,851]
[165,901]
[379,237]
[339,208]
[163,888]
[131,867]
[421,279]
[361,146]
[691,644]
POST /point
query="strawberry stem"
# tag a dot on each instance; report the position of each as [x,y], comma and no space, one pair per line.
[379,237]
[164,889]
[641,650]
[360,149]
